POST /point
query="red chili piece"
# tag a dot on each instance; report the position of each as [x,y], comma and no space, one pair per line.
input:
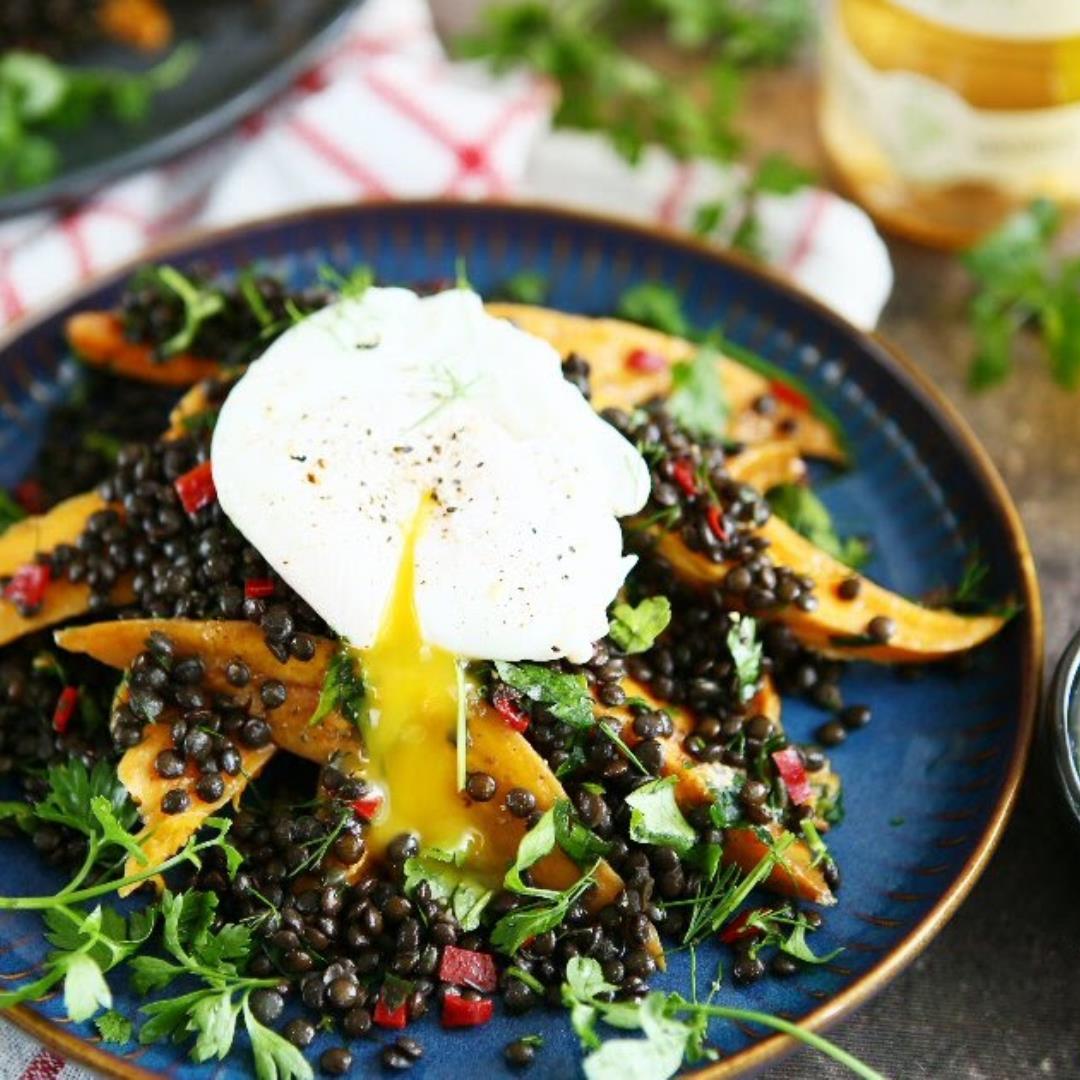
[258,588]
[386,1017]
[787,393]
[792,771]
[507,707]
[368,806]
[459,1012]
[196,488]
[27,586]
[30,495]
[645,362]
[65,709]
[716,522]
[465,967]
[682,472]
[738,930]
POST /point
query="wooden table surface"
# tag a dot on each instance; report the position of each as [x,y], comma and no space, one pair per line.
[997,994]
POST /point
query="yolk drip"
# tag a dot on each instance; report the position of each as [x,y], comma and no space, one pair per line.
[411,689]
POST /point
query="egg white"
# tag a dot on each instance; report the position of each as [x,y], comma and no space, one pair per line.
[326,447]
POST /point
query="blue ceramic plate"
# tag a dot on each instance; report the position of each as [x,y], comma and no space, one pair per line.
[928,786]
[247,53]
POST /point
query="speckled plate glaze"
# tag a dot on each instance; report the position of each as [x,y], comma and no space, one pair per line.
[247,53]
[928,786]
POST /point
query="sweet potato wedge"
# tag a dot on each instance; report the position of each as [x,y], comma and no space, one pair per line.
[493,747]
[19,543]
[768,464]
[97,337]
[164,834]
[837,627]
[606,344]
[697,781]
[63,601]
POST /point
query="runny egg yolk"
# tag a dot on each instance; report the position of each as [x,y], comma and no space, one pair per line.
[412,692]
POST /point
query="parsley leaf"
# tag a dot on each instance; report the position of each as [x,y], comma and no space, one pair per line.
[698,401]
[807,515]
[745,649]
[275,1057]
[535,844]
[114,1029]
[655,817]
[1020,283]
[565,696]
[449,880]
[342,689]
[525,287]
[635,629]
[10,511]
[655,305]
[521,924]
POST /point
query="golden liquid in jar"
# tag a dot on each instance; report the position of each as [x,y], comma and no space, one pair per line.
[989,73]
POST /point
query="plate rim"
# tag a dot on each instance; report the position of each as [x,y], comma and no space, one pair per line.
[85,181]
[885,353]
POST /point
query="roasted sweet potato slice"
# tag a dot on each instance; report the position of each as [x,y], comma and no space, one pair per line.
[494,748]
[19,543]
[607,343]
[164,834]
[697,781]
[97,337]
[768,465]
[63,601]
[838,627]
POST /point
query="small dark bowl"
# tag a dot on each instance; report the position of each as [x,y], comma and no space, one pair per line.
[1064,727]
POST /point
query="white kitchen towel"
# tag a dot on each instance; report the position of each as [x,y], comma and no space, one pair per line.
[386,114]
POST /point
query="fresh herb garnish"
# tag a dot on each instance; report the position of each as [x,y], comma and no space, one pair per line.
[746,650]
[636,628]
[697,400]
[114,1029]
[10,511]
[525,287]
[655,817]
[200,304]
[521,924]
[449,879]
[1021,284]
[565,696]
[342,688]
[807,515]
[655,305]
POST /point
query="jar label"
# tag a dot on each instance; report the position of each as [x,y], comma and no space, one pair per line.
[930,134]
[1018,20]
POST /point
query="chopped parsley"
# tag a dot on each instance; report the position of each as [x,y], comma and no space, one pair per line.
[565,696]
[525,287]
[343,687]
[655,817]
[449,879]
[635,628]
[655,305]
[698,401]
[746,650]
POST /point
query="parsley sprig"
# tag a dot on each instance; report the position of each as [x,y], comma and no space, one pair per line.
[1021,284]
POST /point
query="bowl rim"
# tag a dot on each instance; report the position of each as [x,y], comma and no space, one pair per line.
[884,352]
[1064,745]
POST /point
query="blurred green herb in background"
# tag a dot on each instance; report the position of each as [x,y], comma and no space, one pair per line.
[1021,284]
[40,98]
[582,46]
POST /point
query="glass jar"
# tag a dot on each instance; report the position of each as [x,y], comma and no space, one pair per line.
[942,116]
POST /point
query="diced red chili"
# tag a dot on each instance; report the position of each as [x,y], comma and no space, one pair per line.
[506,705]
[738,929]
[682,473]
[645,362]
[465,967]
[716,522]
[368,806]
[30,495]
[65,709]
[793,772]
[461,1012]
[258,588]
[27,586]
[787,393]
[196,488]
[388,1017]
